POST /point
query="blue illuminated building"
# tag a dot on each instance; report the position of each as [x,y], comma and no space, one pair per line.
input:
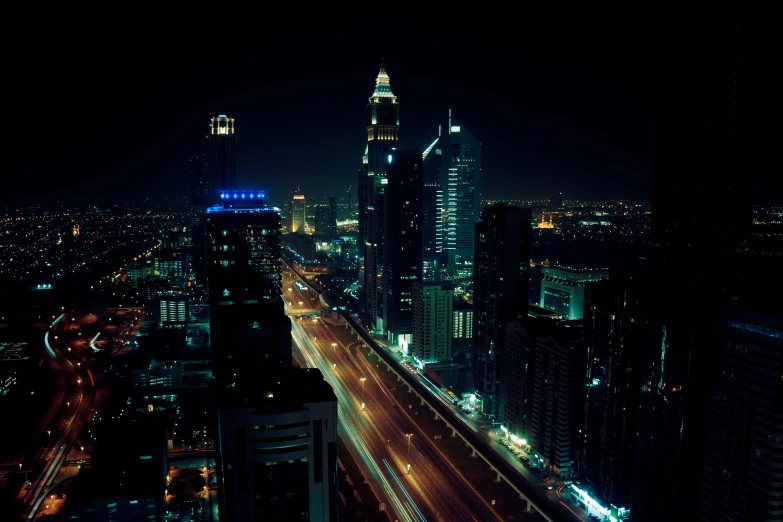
[243,198]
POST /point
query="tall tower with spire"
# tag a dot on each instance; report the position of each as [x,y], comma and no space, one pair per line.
[383,124]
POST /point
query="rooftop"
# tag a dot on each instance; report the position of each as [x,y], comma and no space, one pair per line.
[281,390]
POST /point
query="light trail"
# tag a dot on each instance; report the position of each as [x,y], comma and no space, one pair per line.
[48,346]
[353,424]
[411,503]
[446,495]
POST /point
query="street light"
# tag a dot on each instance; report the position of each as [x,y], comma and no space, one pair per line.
[69,404]
[50,435]
[334,349]
[409,435]
[363,388]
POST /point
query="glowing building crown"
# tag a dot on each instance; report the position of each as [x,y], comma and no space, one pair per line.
[382,85]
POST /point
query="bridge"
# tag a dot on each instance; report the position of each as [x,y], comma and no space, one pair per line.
[303,311]
[503,469]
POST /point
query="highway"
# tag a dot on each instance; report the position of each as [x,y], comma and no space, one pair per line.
[432,489]
[67,424]
[557,508]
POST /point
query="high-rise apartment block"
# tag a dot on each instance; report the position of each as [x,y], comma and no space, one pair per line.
[501,279]
[432,316]
[556,390]
[222,156]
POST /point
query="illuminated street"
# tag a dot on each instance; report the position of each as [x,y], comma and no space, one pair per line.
[493,438]
[433,489]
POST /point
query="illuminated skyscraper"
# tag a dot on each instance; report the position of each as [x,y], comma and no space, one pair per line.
[298,214]
[222,156]
[451,199]
[383,122]
[462,165]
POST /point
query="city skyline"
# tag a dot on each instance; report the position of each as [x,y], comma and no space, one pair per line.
[569,113]
[488,267]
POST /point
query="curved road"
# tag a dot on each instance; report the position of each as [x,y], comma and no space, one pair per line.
[74,410]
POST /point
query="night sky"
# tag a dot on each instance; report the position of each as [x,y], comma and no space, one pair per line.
[112,105]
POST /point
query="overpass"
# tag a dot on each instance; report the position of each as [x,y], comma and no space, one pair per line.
[471,438]
[303,311]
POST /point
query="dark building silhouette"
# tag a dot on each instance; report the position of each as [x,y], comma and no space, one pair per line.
[127,484]
[248,323]
[222,156]
[200,195]
[500,288]
[278,446]
[331,224]
[709,76]
[615,312]
[402,235]
[326,219]
[383,123]
[277,427]
[553,392]
[745,413]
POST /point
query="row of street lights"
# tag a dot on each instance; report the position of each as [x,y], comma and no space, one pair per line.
[364,380]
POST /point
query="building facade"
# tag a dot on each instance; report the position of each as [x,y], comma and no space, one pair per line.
[745,428]
[563,288]
[461,197]
[462,323]
[556,390]
[402,236]
[278,447]
[383,123]
[501,279]
[298,214]
[451,199]
[615,336]
[222,156]
[248,322]
[432,316]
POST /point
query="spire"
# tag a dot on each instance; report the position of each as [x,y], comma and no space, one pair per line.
[382,84]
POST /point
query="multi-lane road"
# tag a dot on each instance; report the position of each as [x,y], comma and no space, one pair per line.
[404,468]
[559,507]
[66,426]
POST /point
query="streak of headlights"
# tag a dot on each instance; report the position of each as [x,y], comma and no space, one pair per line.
[352,422]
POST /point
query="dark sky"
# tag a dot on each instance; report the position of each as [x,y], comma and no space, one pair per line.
[112,104]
